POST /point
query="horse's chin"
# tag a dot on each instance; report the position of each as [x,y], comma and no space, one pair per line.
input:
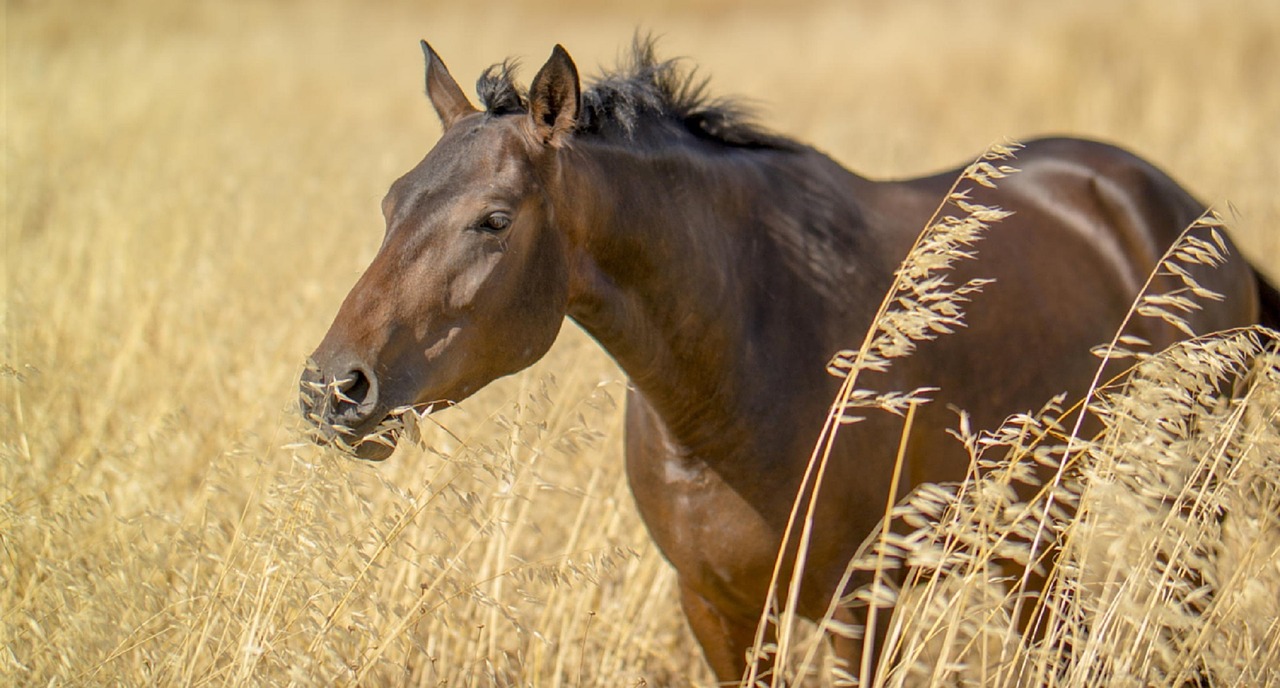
[375,451]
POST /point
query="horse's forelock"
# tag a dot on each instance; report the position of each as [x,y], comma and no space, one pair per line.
[498,90]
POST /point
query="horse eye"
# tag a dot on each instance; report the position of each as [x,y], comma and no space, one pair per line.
[496,222]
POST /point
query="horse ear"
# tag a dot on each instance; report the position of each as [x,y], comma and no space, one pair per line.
[555,98]
[448,100]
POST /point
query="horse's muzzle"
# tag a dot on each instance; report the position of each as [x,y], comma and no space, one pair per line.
[343,408]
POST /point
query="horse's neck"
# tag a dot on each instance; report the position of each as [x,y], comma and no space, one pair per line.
[679,279]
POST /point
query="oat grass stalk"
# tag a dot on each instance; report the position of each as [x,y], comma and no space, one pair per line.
[920,305]
[1169,307]
[1153,534]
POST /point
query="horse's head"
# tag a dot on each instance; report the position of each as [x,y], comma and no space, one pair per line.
[472,279]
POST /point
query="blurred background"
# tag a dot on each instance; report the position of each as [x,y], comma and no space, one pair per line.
[192,187]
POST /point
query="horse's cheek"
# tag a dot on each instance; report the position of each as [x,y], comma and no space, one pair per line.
[469,285]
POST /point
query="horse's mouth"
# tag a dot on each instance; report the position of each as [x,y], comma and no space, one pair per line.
[373,440]
[374,444]
[355,419]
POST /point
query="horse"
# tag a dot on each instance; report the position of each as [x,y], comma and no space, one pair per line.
[721,265]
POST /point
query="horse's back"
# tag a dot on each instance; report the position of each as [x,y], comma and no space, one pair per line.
[1090,223]
[1113,215]
[1132,212]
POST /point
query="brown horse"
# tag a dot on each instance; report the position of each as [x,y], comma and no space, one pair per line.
[722,266]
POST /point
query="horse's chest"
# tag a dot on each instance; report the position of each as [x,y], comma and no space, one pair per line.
[718,541]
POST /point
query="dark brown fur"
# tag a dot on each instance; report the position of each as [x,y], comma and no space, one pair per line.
[722,266]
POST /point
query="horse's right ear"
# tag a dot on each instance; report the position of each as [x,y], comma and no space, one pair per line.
[555,97]
[448,100]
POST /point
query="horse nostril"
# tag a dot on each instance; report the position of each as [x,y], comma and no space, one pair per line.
[356,394]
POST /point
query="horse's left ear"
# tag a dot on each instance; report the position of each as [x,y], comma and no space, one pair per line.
[555,98]
[448,100]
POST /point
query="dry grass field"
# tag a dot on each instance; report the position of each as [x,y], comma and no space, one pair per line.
[191,188]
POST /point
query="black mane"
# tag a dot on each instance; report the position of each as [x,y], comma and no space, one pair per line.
[641,89]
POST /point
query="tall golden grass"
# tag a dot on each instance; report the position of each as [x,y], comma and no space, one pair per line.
[190,188]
